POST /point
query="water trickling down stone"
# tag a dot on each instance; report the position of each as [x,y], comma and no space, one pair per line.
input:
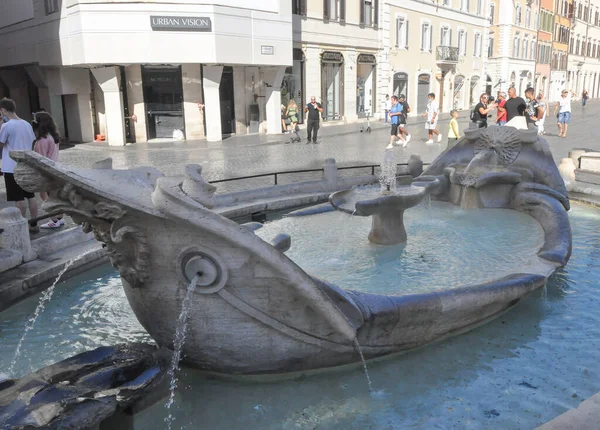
[178,345]
[359,349]
[46,297]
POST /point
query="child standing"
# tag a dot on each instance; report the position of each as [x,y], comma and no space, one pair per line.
[453,131]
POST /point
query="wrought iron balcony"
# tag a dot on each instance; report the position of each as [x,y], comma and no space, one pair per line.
[446,54]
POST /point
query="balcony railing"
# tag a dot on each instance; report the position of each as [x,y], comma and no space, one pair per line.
[446,54]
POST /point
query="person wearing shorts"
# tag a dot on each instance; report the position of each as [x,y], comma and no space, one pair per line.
[562,110]
[395,113]
[405,112]
[16,135]
[431,114]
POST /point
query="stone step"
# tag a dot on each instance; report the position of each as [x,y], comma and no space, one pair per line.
[587,176]
[9,259]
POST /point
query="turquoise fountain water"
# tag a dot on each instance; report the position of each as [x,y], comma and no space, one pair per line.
[519,371]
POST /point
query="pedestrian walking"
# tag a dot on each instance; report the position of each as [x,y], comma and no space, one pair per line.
[543,107]
[431,114]
[388,106]
[501,117]
[47,145]
[16,134]
[314,110]
[403,118]
[532,112]
[562,110]
[584,98]
[395,113]
[515,105]
[453,130]
[479,115]
[283,117]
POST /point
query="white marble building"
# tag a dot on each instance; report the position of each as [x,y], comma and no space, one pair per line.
[134,71]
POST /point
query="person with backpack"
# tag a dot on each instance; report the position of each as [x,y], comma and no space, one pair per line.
[479,114]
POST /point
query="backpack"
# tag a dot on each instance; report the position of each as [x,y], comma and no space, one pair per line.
[474,114]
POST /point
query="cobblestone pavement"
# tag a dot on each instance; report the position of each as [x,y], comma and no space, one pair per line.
[249,155]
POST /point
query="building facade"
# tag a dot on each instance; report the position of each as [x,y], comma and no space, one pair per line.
[434,48]
[135,71]
[336,50]
[544,23]
[514,34]
[563,12]
[584,49]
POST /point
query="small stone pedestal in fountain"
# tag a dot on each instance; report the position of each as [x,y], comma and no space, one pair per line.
[385,207]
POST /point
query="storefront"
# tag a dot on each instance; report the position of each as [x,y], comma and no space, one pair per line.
[401,84]
[292,86]
[365,84]
[332,84]
[163,97]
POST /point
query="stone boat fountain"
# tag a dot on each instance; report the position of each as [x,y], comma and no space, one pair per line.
[255,311]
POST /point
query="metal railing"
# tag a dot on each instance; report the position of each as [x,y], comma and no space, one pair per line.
[276,175]
[447,53]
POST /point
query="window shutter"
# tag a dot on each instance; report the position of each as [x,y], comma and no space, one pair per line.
[375,13]
[326,9]
[398,32]
[430,37]
[441,35]
[302,10]
[406,34]
[342,11]
[362,12]
[450,38]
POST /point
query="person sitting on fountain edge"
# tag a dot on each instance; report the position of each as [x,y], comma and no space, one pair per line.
[395,113]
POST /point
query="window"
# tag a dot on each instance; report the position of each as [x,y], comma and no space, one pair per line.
[516,45]
[369,12]
[51,6]
[445,36]
[518,15]
[464,5]
[331,9]
[579,10]
[527,17]
[446,2]
[462,42]
[533,45]
[536,21]
[477,43]
[479,7]
[426,37]
[490,47]
[492,11]
[401,32]
[525,47]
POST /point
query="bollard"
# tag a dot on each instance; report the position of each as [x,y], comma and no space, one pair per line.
[567,169]
[16,233]
[415,165]
[330,172]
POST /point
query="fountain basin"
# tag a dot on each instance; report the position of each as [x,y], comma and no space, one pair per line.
[263,313]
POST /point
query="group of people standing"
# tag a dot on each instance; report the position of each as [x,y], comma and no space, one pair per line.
[313,119]
[16,134]
[533,108]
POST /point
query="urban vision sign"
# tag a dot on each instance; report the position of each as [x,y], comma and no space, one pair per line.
[180,23]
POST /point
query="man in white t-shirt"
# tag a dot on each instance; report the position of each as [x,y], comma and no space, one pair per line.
[16,135]
[432,114]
